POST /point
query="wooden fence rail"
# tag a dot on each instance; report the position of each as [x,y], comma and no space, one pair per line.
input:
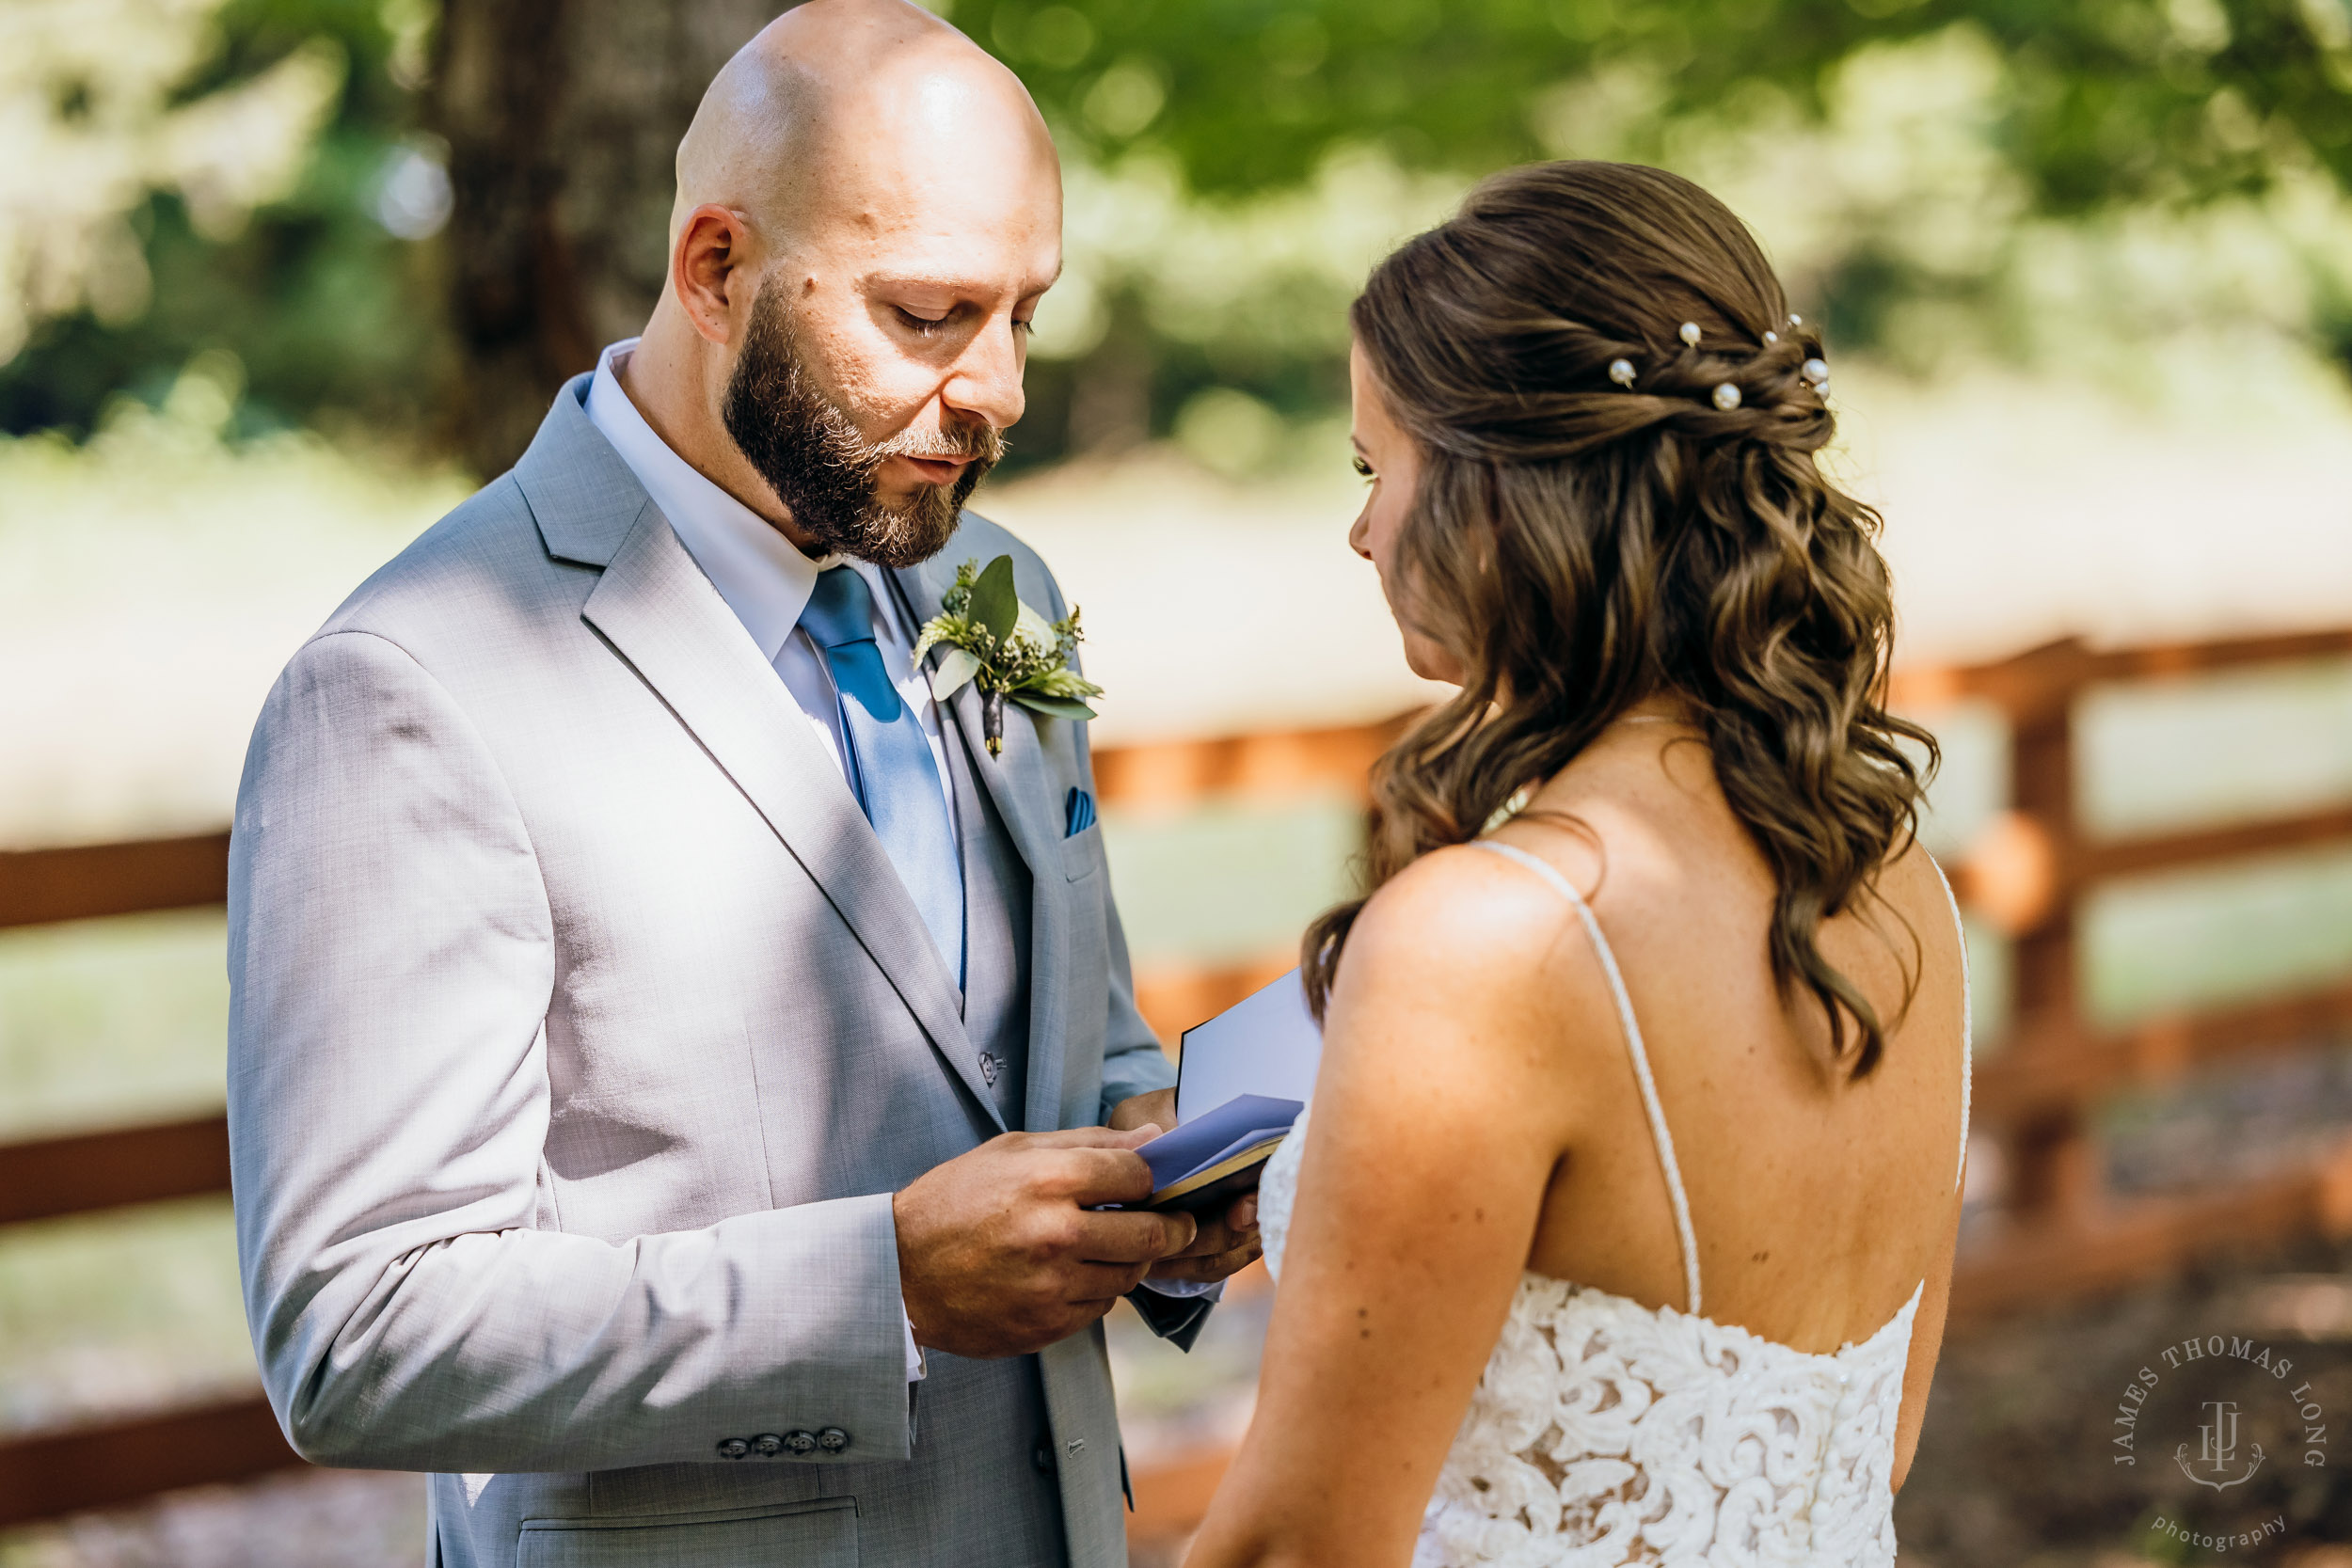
[86,881]
[2062,1232]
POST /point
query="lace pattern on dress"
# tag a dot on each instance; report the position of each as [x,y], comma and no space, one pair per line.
[1605,1434]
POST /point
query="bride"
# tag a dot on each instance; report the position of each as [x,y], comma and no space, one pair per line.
[1622,1227]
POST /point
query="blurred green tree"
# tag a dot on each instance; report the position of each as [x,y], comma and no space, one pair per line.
[1220,121]
[265,195]
[2114,100]
[562,122]
[2091,111]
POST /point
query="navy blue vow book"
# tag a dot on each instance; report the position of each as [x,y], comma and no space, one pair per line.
[1242,1080]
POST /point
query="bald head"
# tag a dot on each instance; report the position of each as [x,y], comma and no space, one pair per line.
[868,211]
[839,106]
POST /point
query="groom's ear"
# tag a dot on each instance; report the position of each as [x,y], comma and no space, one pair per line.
[711,270]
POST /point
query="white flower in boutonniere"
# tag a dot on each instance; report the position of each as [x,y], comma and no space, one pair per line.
[1005,648]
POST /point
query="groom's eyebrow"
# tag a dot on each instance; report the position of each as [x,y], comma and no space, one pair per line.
[966,286]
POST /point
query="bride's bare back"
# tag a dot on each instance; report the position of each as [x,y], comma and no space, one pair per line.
[1820,1200]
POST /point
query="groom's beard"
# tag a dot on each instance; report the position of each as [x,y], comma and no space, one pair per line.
[809,449]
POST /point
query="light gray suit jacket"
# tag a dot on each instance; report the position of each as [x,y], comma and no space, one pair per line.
[581,1031]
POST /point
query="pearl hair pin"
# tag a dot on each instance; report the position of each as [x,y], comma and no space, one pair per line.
[1726,395]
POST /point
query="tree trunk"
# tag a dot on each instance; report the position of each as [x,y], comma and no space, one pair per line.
[563,120]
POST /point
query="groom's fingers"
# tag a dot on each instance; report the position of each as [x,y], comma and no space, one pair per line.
[1106,1282]
[1140,1237]
[1090,1137]
[1091,1177]
[1208,1270]
[1232,1231]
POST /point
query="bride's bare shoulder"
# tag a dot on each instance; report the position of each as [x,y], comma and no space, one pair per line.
[1462,926]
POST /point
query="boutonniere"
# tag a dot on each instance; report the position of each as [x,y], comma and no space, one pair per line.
[1005,648]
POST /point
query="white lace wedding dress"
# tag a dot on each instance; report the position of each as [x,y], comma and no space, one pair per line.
[1605,1433]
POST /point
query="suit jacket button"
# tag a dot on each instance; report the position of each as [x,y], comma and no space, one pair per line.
[733,1448]
[767,1445]
[833,1439]
[1043,1457]
[801,1443]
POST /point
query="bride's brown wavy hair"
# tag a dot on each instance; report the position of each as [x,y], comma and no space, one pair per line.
[1581,546]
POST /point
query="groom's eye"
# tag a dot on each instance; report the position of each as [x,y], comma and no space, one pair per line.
[922,327]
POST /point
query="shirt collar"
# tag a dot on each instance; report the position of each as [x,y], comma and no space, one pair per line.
[757,570]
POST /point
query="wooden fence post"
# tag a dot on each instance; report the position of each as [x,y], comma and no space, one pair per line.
[2053,1163]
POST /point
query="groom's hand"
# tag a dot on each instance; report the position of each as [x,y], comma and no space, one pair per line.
[1000,1253]
[1228,1242]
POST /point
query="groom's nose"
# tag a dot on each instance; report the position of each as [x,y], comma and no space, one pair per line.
[985,384]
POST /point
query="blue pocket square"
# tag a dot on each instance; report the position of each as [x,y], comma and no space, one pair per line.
[1079,809]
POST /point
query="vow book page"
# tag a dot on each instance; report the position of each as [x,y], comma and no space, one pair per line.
[1241,1081]
[1267,1045]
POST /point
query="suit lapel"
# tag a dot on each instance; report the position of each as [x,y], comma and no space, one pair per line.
[656,608]
[1021,784]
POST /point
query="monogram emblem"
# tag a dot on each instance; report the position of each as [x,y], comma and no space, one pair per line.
[2217,1450]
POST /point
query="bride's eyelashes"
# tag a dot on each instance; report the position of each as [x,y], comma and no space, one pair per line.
[1362,467]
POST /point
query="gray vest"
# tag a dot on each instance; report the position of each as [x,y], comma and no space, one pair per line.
[996,930]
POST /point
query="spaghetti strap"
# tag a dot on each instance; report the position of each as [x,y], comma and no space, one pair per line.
[1967,1023]
[1659,1134]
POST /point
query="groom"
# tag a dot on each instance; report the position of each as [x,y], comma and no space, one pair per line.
[667,1049]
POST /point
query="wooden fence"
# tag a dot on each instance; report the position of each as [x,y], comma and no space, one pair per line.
[2059,1234]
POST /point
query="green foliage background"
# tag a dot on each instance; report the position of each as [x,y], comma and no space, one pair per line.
[1225,119]
[333,318]
[2113,100]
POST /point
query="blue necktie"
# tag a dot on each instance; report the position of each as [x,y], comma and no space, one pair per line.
[888,759]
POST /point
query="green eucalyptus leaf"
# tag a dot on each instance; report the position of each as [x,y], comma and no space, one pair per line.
[995,603]
[1053,708]
[956,666]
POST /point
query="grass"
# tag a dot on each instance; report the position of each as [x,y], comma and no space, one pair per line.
[111,1021]
[117,1313]
[1228,882]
